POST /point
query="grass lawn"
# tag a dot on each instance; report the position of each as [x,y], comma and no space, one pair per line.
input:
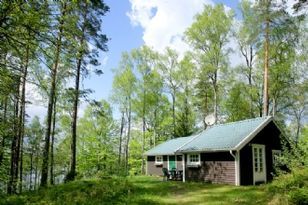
[152,190]
[141,190]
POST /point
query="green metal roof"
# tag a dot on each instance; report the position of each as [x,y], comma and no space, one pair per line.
[228,136]
[169,147]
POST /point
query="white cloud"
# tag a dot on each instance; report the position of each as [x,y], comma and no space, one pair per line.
[164,22]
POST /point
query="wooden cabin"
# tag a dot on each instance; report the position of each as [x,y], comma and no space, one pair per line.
[238,153]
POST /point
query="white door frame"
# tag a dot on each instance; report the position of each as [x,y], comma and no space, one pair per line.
[257,175]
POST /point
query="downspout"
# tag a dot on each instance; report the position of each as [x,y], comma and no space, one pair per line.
[236,168]
[232,154]
[183,162]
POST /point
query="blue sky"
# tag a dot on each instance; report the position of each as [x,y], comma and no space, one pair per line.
[125,35]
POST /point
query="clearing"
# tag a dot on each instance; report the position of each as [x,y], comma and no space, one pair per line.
[141,190]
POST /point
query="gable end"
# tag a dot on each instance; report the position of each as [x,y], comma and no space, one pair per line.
[253,134]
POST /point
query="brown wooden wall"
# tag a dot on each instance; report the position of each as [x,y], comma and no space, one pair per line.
[179,162]
[153,169]
[269,137]
[216,167]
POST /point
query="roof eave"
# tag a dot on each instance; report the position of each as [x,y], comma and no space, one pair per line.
[205,150]
[158,154]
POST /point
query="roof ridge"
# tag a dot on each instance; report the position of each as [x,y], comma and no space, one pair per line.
[193,138]
[240,121]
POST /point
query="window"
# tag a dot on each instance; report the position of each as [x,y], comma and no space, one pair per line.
[193,159]
[276,154]
[258,156]
[158,160]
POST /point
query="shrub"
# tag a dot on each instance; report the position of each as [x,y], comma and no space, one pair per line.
[292,187]
[299,196]
[110,190]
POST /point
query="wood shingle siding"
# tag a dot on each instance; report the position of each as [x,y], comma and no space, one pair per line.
[218,167]
[153,169]
[179,163]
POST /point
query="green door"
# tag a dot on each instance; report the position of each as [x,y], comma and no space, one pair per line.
[171,162]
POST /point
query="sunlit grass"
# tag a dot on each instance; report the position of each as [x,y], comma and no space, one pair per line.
[155,191]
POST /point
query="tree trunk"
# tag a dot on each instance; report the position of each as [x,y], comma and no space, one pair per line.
[44,175]
[12,185]
[2,144]
[120,142]
[31,169]
[128,135]
[266,63]
[173,113]
[80,54]
[250,82]
[143,131]
[52,142]
[205,111]
[215,104]
[186,117]
[22,116]
[72,172]
[36,170]
[154,128]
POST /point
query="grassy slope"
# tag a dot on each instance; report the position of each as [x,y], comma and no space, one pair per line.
[113,191]
[141,190]
[154,191]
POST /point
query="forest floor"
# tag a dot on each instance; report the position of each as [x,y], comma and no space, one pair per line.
[141,190]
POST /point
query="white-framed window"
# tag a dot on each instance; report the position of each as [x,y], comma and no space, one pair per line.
[193,159]
[276,154]
[258,158]
[159,160]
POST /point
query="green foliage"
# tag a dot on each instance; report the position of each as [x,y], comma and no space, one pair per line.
[96,145]
[300,196]
[135,158]
[209,35]
[237,101]
[104,191]
[292,187]
[295,155]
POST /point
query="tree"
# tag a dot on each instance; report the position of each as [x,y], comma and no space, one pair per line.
[145,62]
[34,136]
[97,144]
[208,35]
[90,31]
[169,68]
[236,105]
[279,33]
[186,117]
[248,37]
[124,85]
[21,26]
[62,24]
